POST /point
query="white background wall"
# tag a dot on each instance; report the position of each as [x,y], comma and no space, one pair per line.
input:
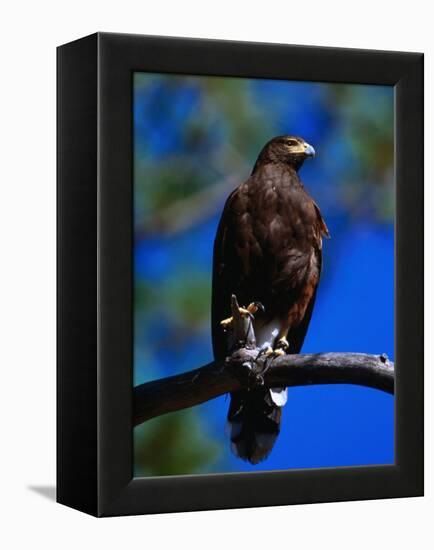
[30,31]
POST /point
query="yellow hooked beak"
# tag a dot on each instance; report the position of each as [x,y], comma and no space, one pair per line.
[309,151]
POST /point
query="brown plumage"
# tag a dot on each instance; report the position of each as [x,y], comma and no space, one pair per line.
[267,249]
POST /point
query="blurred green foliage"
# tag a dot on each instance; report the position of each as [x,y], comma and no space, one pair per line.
[175,443]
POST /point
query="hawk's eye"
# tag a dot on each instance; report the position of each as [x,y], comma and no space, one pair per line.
[291,142]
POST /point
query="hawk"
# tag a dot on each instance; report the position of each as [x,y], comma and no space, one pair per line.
[267,252]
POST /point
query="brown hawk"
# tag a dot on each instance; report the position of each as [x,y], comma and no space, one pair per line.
[267,250]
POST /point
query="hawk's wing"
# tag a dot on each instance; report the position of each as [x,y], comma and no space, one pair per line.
[298,334]
[221,282]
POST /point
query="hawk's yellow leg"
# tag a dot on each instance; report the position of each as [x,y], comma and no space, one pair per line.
[250,310]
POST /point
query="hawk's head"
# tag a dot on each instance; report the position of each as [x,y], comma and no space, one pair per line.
[289,150]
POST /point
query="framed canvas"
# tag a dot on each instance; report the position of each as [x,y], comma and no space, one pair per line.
[215,348]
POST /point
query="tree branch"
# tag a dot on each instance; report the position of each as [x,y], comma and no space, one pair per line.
[244,370]
[248,367]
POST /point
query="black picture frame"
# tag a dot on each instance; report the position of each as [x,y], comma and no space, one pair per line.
[94,375]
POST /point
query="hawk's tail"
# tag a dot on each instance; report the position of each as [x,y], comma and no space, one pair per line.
[254,422]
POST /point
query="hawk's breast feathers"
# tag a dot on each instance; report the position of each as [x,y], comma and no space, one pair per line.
[267,248]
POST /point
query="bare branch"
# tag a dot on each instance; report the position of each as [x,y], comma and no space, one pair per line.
[248,367]
[241,370]
[187,212]
[201,205]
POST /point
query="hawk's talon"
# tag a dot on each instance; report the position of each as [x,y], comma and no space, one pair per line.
[245,312]
[270,355]
[259,379]
[282,345]
[265,351]
[226,323]
[252,308]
